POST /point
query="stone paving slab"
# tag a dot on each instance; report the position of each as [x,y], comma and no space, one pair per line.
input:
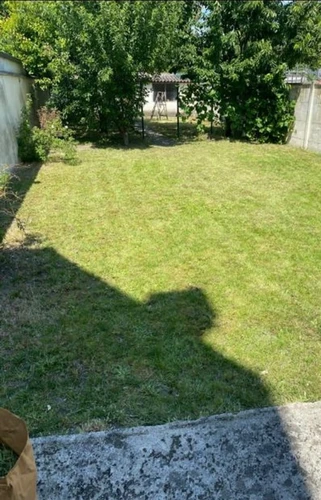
[268,454]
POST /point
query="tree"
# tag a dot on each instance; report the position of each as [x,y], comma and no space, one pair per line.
[202,95]
[302,23]
[3,10]
[246,48]
[135,38]
[91,54]
[30,32]
[254,95]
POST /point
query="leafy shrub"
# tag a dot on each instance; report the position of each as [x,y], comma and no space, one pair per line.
[26,143]
[36,143]
[264,115]
[42,142]
[68,147]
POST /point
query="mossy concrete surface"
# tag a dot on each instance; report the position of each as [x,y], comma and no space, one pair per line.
[271,453]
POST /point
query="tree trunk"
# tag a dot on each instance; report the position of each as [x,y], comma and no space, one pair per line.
[228,127]
[103,123]
[126,138]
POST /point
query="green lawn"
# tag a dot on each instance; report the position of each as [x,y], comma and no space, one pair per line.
[162,283]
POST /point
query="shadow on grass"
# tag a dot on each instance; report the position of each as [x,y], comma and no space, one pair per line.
[157,133]
[23,176]
[112,140]
[188,131]
[90,351]
[79,354]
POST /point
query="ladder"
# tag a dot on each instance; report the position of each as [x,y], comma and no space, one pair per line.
[160,107]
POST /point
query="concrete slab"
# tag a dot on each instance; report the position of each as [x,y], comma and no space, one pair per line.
[267,454]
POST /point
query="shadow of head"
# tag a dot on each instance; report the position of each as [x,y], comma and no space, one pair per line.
[183,310]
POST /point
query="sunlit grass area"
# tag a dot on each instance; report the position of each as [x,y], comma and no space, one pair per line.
[162,283]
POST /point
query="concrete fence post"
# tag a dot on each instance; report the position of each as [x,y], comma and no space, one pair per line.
[309,117]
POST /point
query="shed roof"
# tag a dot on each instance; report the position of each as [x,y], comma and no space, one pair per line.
[5,55]
[169,78]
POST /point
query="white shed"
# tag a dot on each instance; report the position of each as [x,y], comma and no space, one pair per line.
[164,84]
[14,88]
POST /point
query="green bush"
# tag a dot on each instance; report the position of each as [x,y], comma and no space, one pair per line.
[26,144]
[261,118]
[42,141]
[36,143]
[68,147]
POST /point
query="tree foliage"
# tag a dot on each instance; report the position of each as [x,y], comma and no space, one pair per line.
[244,49]
[3,10]
[91,54]
[302,25]
[254,95]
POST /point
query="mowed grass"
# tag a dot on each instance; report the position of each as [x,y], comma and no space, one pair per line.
[162,283]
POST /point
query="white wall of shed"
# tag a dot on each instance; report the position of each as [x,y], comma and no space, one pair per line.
[13,94]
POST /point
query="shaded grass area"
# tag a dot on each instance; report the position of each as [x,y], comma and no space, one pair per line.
[87,351]
[13,188]
[162,284]
[188,129]
[167,128]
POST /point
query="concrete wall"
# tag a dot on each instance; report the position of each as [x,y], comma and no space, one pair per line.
[14,87]
[307,128]
[314,142]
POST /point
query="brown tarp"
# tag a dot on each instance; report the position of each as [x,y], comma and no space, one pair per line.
[21,481]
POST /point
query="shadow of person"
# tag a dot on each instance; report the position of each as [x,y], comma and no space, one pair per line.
[92,351]
[77,352]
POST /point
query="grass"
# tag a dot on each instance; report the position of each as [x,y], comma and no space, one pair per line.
[162,283]
[4,181]
[7,460]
